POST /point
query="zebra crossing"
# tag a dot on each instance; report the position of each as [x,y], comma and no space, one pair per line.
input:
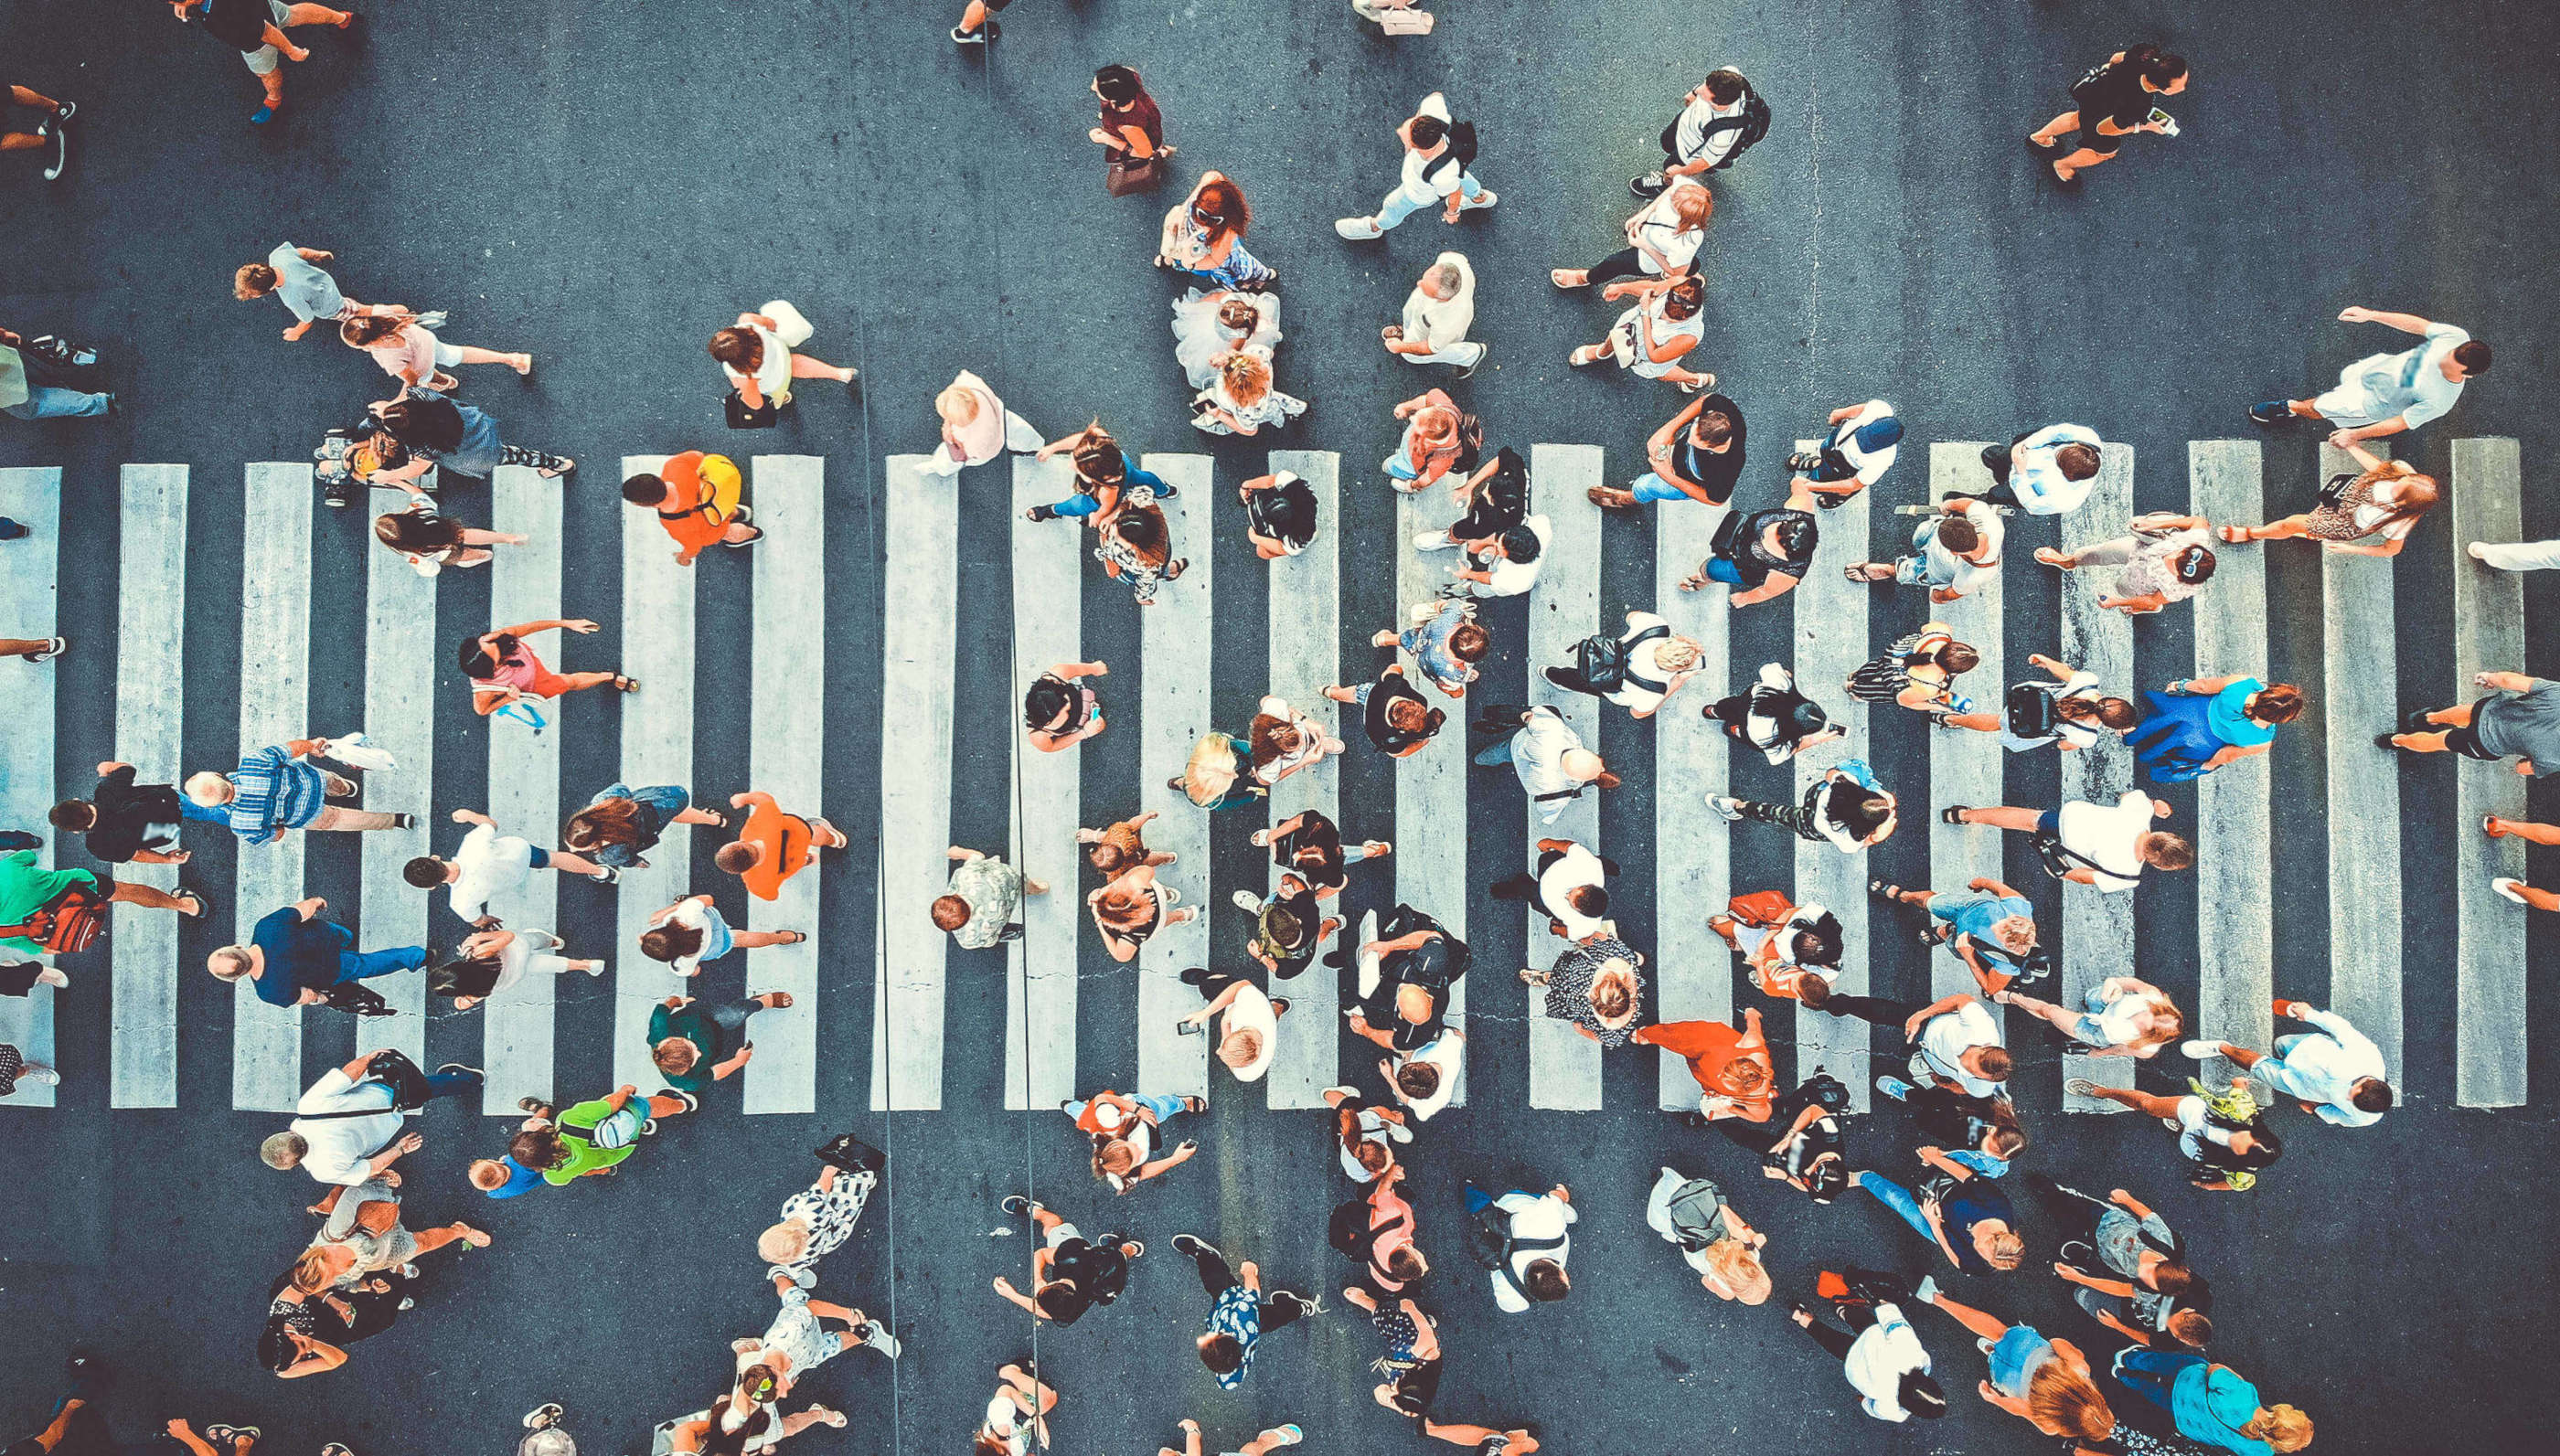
[787,672]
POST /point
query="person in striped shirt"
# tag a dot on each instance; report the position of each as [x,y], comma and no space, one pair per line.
[276,789]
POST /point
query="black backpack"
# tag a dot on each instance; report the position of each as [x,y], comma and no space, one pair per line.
[2034,712]
[1603,659]
[1753,124]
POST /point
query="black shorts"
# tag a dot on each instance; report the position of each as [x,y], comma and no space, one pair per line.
[1415,1388]
[2466,739]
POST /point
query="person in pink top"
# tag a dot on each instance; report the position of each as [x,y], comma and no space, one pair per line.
[411,354]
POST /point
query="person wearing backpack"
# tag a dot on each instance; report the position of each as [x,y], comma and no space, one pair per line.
[62,911]
[1719,120]
[1638,669]
[1522,1240]
[1692,1216]
[2069,711]
[1438,152]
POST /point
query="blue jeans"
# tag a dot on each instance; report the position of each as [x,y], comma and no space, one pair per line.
[1499,753]
[1077,504]
[1897,1198]
[1651,487]
[1400,205]
[1166,1108]
[44,401]
[1720,569]
[2153,1374]
[355,966]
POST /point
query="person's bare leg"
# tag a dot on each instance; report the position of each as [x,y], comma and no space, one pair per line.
[2524,829]
[19,141]
[828,835]
[805,368]
[973,17]
[665,1107]
[522,363]
[2303,407]
[2003,816]
[474,537]
[1979,722]
[774,1000]
[152,897]
[185,1436]
[690,815]
[431,1239]
[2052,131]
[352,820]
[581,681]
[2080,161]
[1971,1318]
[573,864]
[24,647]
[758,940]
[2139,1101]
[307,14]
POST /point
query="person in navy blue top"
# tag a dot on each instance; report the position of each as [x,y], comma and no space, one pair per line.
[294,955]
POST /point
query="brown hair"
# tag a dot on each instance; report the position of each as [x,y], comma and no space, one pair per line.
[739,349]
[1544,1281]
[253,280]
[2170,853]
[367,330]
[1418,1079]
[670,943]
[1220,1353]
[539,1148]
[1744,1076]
[2058,1395]
[737,857]
[950,913]
[1694,206]
[1123,907]
[1410,714]
[1274,737]
[1114,1155]
[1222,201]
[2007,1250]
[1239,313]
[1995,1063]
[2281,703]
[2077,462]
[1239,1048]
[1613,996]
[1468,641]
[1406,1264]
[1713,427]
[1957,535]
[614,820]
[2191,1328]
[2169,1276]
[1248,378]
[407,530]
[675,1056]
[1956,657]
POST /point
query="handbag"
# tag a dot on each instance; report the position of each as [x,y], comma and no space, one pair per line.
[357,999]
[741,416]
[359,751]
[1122,178]
[1405,22]
[66,924]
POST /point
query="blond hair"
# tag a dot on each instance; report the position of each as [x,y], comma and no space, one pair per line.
[783,1243]
[1732,1263]
[956,404]
[228,963]
[1240,1048]
[2281,1426]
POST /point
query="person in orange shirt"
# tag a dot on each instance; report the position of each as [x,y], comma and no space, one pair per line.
[699,498]
[773,846]
[1732,1068]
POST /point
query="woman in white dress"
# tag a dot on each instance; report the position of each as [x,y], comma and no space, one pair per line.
[492,961]
[1242,401]
[1206,325]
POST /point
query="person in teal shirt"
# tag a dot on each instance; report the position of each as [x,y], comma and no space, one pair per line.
[27,887]
[690,1040]
[2196,725]
[2212,1403]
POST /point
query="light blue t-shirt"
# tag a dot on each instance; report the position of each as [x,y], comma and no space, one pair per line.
[2227,715]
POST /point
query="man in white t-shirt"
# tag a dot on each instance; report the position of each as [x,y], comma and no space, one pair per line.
[1657,661]
[1554,768]
[1860,448]
[1955,551]
[347,1128]
[1505,565]
[2105,845]
[1532,1268]
[1705,135]
[1437,152]
[1569,883]
[1880,1351]
[489,864]
[1437,315]
[2047,471]
[2387,393]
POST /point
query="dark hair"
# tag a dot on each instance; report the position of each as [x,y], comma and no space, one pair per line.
[739,349]
[423,873]
[1520,543]
[72,813]
[1814,948]
[1118,84]
[253,280]
[1865,814]
[644,489]
[1813,990]
[2473,356]
[1685,297]
[538,1149]
[1713,427]
[1281,924]
[737,857]
[1100,460]
[2118,713]
[1796,536]
[1427,132]
[1827,1179]
[1468,642]
[1957,657]
[1957,535]
[1047,697]
[2371,1094]
[1418,1079]
[1921,1396]
[607,822]
[670,943]
[463,976]
[1058,1300]
[2281,703]
[366,329]
[2171,851]
[1589,900]
[1544,1281]
[474,654]
[1221,1354]
[1725,85]
[1995,1063]
[2078,462]
[2171,1278]
[2160,68]
[425,423]
[1143,529]
[2191,1328]
[1406,1265]
[2195,565]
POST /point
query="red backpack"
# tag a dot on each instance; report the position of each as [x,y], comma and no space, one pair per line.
[66,924]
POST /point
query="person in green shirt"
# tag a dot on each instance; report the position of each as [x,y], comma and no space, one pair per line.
[690,1040]
[595,1137]
[25,887]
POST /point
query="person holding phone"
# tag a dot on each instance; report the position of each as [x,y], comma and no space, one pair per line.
[2110,103]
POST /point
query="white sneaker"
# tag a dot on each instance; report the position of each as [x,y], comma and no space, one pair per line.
[2512,888]
[1433,541]
[1247,901]
[1485,199]
[597,968]
[541,1416]
[2200,1050]
[41,1075]
[875,1337]
[1726,806]
[1358,230]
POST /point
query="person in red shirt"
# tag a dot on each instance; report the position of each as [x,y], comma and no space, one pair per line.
[1732,1068]
[699,500]
[773,846]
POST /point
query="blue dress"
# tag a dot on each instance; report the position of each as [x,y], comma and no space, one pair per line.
[1241,268]
[2175,737]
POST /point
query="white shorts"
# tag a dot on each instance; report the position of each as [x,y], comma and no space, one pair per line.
[1060,1232]
[264,59]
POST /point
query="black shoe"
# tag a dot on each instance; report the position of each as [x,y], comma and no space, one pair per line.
[1166,493]
[1041,512]
[1648,186]
[403,821]
[1804,464]
[2383,742]
[987,30]
[446,1067]
[1995,458]
[89,1375]
[2415,721]
[1016,1205]
[1193,1246]
[13,840]
[12,530]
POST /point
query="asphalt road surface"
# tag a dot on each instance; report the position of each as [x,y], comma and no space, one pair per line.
[604,185]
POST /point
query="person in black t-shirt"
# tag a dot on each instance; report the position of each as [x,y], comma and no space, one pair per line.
[1696,456]
[1069,1274]
[1406,966]
[1399,720]
[2110,102]
[125,821]
[1802,1144]
[255,29]
[1280,515]
[76,1427]
[1762,555]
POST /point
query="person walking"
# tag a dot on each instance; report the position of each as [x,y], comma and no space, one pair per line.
[1241,401]
[2107,846]
[986,894]
[693,930]
[1289,924]
[1859,445]
[1880,1351]
[772,846]
[1438,437]
[1663,240]
[1495,497]
[1544,752]
[2044,1383]
[759,357]
[1272,1438]
[691,1041]
[1375,1231]
[1279,513]
[2119,1017]
[1130,132]
[1565,881]
[2223,1133]
[1791,951]
[2334,1071]
[1240,1314]
[2047,471]
[1692,1215]
[1989,926]
[1127,1132]
[2384,394]
[1248,1020]
[1762,553]
[489,864]
[1507,563]
[1774,716]
[307,1334]
[1309,845]
[977,427]
[977,24]
[54,130]
[1919,670]
[1398,719]
[1131,906]
[257,29]
[1846,807]
[2196,725]
[2211,1403]
[504,669]
[295,955]
[1405,968]
[347,1128]
[701,500]
[1735,1076]
[1955,552]
[2163,558]
[2110,102]
[1107,479]
[26,393]
[1802,1142]
[429,541]
[1595,987]
[1720,118]
[816,1221]
[1070,1273]
[2068,710]
[15,1068]
[1446,641]
[797,1342]
[1135,546]
[422,430]
[1439,152]
[2367,514]
[1204,236]
[1059,710]
[594,1138]
[1662,328]
[2124,1235]
[491,960]
[2514,889]
[2515,555]
[1955,1043]
[1638,668]
[622,824]
[39,907]
[1432,328]
[2520,719]
[1208,327]
[1016,1414]
[1697,454]
[297,281]
[1528,1239]
[1961,1211]
[410,352]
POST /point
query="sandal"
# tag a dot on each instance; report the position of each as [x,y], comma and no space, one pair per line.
[798,937]
[755,534]
[1883,891]
[1557,277]
[2235,534]
[1953,814]
[195,900]
[626,685]
[1192,1104]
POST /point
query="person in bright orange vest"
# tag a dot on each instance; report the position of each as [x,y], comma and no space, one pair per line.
[773,846]
[699,498]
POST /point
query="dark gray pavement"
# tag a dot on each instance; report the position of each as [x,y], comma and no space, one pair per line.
[605,184]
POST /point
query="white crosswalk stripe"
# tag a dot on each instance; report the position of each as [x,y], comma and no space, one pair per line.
[1832,633]
[1690,863]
